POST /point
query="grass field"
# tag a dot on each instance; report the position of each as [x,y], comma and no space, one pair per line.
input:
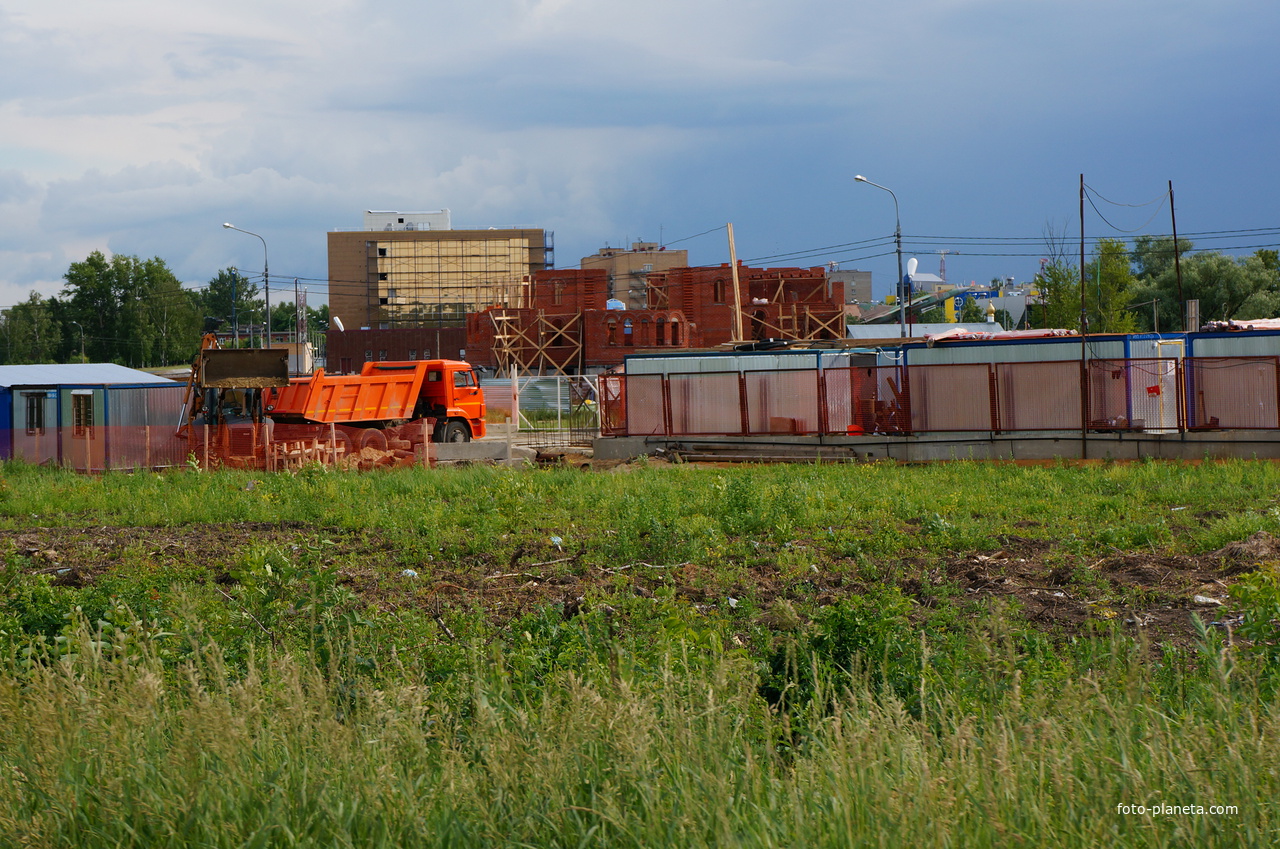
[649,655]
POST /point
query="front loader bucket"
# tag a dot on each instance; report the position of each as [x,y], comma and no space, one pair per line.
[244,368]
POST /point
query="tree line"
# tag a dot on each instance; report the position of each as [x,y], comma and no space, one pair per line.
[137,313]
[1135,289]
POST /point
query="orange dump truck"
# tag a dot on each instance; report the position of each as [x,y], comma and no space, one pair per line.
[385,395]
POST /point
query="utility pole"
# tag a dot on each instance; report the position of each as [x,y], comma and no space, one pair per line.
[1177,260]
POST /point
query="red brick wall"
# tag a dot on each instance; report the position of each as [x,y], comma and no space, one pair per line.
[696,312]
[569,290]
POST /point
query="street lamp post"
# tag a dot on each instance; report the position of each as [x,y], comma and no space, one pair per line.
[266,280]
[77,324]
[897,238]
[235,299]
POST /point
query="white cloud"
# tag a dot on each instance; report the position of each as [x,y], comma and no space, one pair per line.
[142,125]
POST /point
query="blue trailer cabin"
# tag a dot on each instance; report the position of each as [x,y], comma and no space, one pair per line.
[90,417]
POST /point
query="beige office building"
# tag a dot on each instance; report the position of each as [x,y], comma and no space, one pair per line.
[629,270]
[410,270]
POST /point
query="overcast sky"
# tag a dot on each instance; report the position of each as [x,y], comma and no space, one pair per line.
[139,126]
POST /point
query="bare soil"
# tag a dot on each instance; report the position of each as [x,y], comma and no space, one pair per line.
[1149,593]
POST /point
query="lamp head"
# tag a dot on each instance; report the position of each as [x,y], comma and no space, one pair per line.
[227,226]
[857,178]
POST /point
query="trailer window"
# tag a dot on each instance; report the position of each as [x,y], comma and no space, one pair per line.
[35,412]
[434,376]
[81,415]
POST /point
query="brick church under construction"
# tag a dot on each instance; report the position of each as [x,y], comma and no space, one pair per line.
[568,324]
[407,286]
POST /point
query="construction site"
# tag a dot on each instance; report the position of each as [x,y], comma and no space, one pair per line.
[567,323]
[470,338]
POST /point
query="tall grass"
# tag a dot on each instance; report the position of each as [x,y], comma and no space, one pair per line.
[105,748]
[155,706]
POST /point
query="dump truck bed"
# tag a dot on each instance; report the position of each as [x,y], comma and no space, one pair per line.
[381,392]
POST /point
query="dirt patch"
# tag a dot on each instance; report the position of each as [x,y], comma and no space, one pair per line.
[1153,594]
[1239,557]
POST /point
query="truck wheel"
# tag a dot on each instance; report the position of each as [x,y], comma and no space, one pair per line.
[373,438]
[455,432]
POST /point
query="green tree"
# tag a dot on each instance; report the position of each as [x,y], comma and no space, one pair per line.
[232,298]
[30,333]
[1058,306]
[971,312]
[318,318]
[935,315]
[131,311]
[175,317]
[1226,287]
[1109,289]
[1152,256]
[90,298]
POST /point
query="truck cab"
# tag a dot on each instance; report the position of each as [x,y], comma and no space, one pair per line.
[452,395]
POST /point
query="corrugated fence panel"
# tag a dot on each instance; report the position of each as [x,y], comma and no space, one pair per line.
[645,405]
[1108,394]
[1133,394]
[143,427]
[893,401]
[706,403]
[950,397]
[783,401]
[1151,394]
[1039,396]
[850,397]
[144,447]
[1234,393]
